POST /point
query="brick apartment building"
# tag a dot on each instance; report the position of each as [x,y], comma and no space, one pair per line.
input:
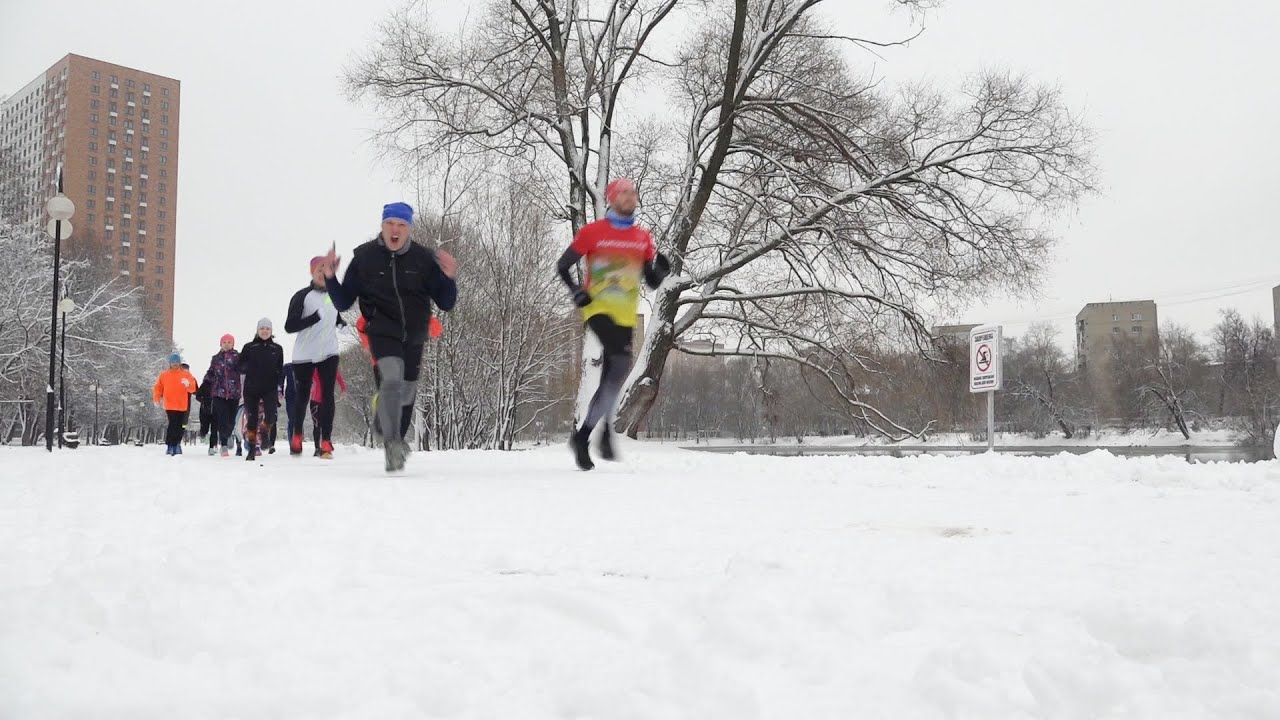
[114,131]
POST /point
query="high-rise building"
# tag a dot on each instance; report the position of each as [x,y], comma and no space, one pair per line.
[114,132]
[1102,329]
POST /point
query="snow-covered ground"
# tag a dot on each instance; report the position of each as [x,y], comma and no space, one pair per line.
[1104,438]
[673,585]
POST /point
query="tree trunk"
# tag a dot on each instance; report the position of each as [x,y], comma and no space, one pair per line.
[642,385]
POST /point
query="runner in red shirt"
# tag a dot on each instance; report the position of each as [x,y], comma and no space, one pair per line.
[618,254]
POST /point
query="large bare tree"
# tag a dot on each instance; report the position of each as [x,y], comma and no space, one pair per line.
[797,198]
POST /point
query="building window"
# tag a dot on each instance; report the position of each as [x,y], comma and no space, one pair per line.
[107,234]
[146,87]
[164,160]
[1115,318]
[115,80]
[164,92]
[146,114]
[163,216]
[111,149]
[92,217]
[110,205]
[164,132]
[142,197]
[128,111]
[146,99]
[164,173]
[146,154]
[1115,330]
[1136,329]
[164,119]
[111,121]
[97,75]
[93,117]
[115,93]
[94,103]
[114,107]
[93,147]
[1137,316]
[95,90]
[163,187]
[93,189]
[164,147]
[93,132]
[93,204]
[93,174]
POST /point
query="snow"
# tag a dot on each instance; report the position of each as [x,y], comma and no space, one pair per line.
[1107,438]
[672,585]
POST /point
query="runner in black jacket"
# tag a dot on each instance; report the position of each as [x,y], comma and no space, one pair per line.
[395,281]
[262,363]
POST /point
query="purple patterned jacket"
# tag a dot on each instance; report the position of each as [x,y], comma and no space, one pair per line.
[223,377]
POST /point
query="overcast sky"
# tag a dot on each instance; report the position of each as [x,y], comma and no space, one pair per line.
[275,163]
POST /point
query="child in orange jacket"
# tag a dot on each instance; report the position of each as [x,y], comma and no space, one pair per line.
[173,392]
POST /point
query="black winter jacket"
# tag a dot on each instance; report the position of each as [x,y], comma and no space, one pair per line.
[395,291]
[262,362]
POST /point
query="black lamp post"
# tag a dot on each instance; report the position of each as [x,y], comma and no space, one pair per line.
[60,209]
[66,306]
[94,387]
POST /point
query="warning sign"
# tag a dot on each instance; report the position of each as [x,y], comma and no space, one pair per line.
[984,359]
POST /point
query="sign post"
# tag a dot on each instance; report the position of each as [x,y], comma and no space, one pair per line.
[985,374]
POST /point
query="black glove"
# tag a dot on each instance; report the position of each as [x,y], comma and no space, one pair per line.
[655,272]
[581,298]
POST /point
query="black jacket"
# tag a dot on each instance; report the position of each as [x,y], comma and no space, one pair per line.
[262,362]
[395,291]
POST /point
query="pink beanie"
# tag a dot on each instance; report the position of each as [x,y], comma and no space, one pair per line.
[617,186]
[227,338]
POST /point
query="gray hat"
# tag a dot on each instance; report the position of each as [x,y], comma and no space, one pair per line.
[264,323]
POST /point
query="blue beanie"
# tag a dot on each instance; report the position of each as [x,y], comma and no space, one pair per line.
[175,358]
[398,211]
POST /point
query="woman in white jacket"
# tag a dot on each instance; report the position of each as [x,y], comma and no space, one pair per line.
[314,318]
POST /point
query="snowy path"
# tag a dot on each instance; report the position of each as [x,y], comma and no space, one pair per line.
[674,585]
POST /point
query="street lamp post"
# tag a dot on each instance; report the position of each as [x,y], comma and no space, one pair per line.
[60,209]
[66,306]
[94,387]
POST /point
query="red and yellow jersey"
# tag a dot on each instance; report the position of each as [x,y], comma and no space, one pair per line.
[615,259]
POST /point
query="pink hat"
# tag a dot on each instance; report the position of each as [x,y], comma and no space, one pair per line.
[227,338]
[617,186]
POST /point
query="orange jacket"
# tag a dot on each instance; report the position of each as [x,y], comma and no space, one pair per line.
[175,388]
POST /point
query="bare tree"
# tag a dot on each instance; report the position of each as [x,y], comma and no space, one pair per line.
[793,196]
[1174,372]
[1248,386]
[110,343]
[1038,371]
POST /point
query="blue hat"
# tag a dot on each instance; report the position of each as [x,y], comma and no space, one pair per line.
[175,358]
[398,211]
